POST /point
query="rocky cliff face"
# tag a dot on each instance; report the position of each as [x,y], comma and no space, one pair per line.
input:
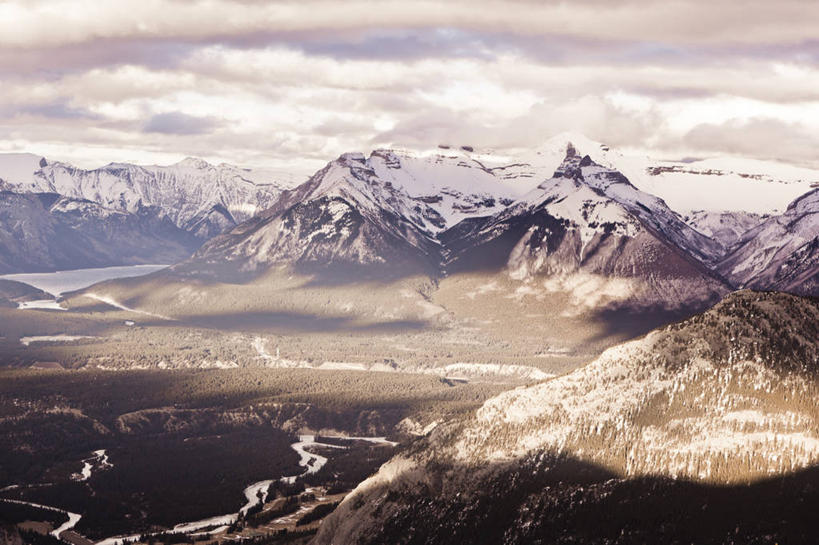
[781,253]
[198,197]
[45,231]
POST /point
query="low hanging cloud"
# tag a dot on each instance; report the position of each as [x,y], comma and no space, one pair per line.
[180,124]
[764,138]
[590,115]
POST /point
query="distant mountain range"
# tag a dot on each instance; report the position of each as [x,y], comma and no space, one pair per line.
[780,253]
[685,232]
[192,201]
[47,231]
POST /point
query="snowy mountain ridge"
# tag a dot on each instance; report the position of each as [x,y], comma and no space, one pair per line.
[416,204]
[201,198]
[589,220]
[47,231]
[781,252]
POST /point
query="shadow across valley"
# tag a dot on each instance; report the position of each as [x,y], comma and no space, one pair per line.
[315,274]
[291,322]
[258,322]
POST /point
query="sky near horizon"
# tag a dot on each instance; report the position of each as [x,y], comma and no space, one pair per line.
[293,84]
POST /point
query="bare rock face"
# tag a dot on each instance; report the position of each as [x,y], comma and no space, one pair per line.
[781,253]
[45,231]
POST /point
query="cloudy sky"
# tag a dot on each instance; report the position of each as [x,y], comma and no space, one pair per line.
[292,84]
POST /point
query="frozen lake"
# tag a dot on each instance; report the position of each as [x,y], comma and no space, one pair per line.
[57,283]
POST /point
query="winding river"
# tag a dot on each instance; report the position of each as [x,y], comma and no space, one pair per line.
[101,459]
[254,494]
[257,492]
[73,518]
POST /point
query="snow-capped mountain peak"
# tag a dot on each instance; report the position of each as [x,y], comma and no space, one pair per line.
[600,197]
[434,191]
[199,197]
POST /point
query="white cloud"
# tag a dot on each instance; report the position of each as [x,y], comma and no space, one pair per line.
[27,23]
[296,83]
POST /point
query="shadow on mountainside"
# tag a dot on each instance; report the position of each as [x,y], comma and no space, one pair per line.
[630,323]
[317,274]
[565,500]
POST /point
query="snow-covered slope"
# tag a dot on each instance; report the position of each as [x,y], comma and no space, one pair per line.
[684,401]
[386,209]
[780,253]
[725,228]
[45,232]
[590,220]
[344,215]
[200,198]
[727,397]
[726,184]
[19,168]
[723,184]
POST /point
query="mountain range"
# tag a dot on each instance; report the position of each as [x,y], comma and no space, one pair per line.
[47,231]
[451,209]
[198,200]
[567,209]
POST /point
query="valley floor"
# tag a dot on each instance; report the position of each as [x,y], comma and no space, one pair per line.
[141,451]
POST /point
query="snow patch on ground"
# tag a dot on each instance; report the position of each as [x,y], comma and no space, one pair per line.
[342,366]
[458,370]
[411,427]
[27,341]
[472,371]
[218,364]
[526,290]
[430,310]
[483,289]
